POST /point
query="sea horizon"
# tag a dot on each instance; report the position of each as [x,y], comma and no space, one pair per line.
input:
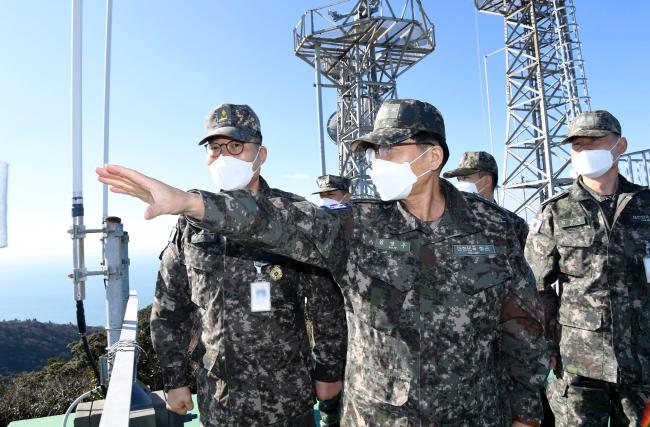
[44,292]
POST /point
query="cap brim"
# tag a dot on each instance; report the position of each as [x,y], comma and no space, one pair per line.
[384,136]
[589,133]
[232,132]
[323,190]
[459,172]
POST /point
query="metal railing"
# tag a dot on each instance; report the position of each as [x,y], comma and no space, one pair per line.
[117,406]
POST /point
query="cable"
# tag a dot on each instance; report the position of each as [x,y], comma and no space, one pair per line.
[81,326]
[478,66]
[76,402]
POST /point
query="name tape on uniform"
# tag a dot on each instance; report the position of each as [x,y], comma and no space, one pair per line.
[573,222]
[466,250]
[205,238]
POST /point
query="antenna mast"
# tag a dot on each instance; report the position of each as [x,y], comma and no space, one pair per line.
[361,51]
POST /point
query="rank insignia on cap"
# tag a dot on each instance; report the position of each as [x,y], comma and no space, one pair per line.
[536,225]
[276,273]
[224,115]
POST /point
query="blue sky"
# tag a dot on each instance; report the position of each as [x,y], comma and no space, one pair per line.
[173,61]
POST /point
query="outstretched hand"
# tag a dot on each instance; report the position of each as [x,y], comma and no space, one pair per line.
[161,198]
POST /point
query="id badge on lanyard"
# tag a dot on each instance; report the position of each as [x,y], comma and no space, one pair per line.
[646,262]
[260,292]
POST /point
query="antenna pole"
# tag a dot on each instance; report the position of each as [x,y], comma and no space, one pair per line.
[319,107]
[107,97]
[78,228]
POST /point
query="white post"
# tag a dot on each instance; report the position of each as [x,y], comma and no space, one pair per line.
[78,234]
[107,96]
[319,107]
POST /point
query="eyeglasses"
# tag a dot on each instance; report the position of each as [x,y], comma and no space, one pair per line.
[381,151]
[214,149]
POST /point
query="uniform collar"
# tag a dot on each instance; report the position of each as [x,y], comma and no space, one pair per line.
[578,192]
[457,219]
[264,187]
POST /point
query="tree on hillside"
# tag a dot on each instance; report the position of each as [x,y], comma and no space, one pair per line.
[52,389]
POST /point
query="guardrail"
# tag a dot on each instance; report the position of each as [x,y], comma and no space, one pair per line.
[117,406]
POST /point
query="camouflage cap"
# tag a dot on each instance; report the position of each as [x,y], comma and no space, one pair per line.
[331,183]
[473,162]
[234,121]
[400,119]
[593,124]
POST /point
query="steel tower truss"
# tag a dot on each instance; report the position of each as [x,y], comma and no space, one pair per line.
[361,51]
[636,167]
[545,88]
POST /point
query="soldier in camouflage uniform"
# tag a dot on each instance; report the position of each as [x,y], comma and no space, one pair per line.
[334,192]
[333,189]
[591,240]
[437,294]
[254,362]
[478,173]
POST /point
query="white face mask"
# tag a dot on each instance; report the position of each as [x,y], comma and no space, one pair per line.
[328,202]
[231,173]
[394,181]
[593,163]
[469,187]
[466,186]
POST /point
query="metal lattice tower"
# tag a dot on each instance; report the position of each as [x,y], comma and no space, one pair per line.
[635,167]
[361,50]
[545,88]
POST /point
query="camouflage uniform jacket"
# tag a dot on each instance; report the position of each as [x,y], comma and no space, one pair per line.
[432,310]
[519,226]
[600,322]
[258,363]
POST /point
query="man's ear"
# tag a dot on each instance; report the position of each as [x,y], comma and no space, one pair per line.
[436,158]
[622,146]
[261,158]
[490,180]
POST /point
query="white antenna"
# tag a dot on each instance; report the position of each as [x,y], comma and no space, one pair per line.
[78,228]
[107,96]
[4,176]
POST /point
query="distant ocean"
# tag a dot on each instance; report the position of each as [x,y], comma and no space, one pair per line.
[42,290]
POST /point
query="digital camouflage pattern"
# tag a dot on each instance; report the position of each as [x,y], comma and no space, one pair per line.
[474,162]
[331,183]
[581,401]
[600,322]
[519,227]
[255,368]
[399,119]
[593,124]
[234,121]
[433,310]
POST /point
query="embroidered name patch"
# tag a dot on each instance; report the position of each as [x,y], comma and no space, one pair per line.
[641,218]
[465,250]
[392,245]
[573,222]
[204,238]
